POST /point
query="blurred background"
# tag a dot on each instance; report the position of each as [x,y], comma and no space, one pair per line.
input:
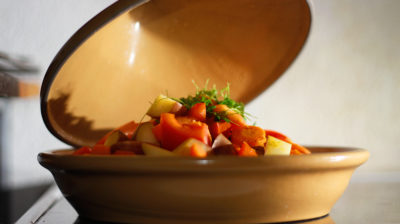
[342,90]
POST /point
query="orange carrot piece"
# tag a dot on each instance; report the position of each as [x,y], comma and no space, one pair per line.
[300,148]
[252,135]
[236,119]
[295,152]
[246,150]
[198,112]
[197,151]
[277,135]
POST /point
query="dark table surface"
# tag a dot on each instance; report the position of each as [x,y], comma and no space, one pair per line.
[371,198]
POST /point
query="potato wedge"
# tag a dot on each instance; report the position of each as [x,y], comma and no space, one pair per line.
[163,104]
[144,133]
[277,147]
[152,150]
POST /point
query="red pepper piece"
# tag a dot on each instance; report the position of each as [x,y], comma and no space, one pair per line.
[174,132]
[219,127]
[82,151]
[101,150]
[128,129]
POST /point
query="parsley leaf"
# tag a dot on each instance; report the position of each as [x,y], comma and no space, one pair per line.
[212,97]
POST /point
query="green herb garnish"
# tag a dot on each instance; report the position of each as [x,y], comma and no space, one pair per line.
[212,97]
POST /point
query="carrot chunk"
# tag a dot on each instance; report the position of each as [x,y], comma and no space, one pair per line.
[246,150]
[300,148]
[254,136]
[197,151]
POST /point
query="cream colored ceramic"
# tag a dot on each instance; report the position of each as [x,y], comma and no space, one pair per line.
[213,190]
[110,70]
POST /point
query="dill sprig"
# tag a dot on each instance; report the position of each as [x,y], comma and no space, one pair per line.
[212,97]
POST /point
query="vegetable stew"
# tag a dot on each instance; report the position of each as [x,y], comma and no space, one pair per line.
[209,123]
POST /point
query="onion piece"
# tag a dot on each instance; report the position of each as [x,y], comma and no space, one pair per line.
[221,140]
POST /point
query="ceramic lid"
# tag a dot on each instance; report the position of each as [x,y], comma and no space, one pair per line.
[116,64]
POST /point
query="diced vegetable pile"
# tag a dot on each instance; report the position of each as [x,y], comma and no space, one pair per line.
[208,123]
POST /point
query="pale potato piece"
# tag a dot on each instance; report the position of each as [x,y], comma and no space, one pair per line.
[184,148]
[277,147]
[144,133]
[163,104]
[115,137]
[152,150]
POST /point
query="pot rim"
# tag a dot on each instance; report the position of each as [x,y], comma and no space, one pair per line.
[322,158]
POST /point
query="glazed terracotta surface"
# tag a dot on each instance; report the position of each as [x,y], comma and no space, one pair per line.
[110,70]
[141,189]
[107,73]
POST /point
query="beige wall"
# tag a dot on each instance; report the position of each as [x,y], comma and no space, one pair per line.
[343,89]
[36,29]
